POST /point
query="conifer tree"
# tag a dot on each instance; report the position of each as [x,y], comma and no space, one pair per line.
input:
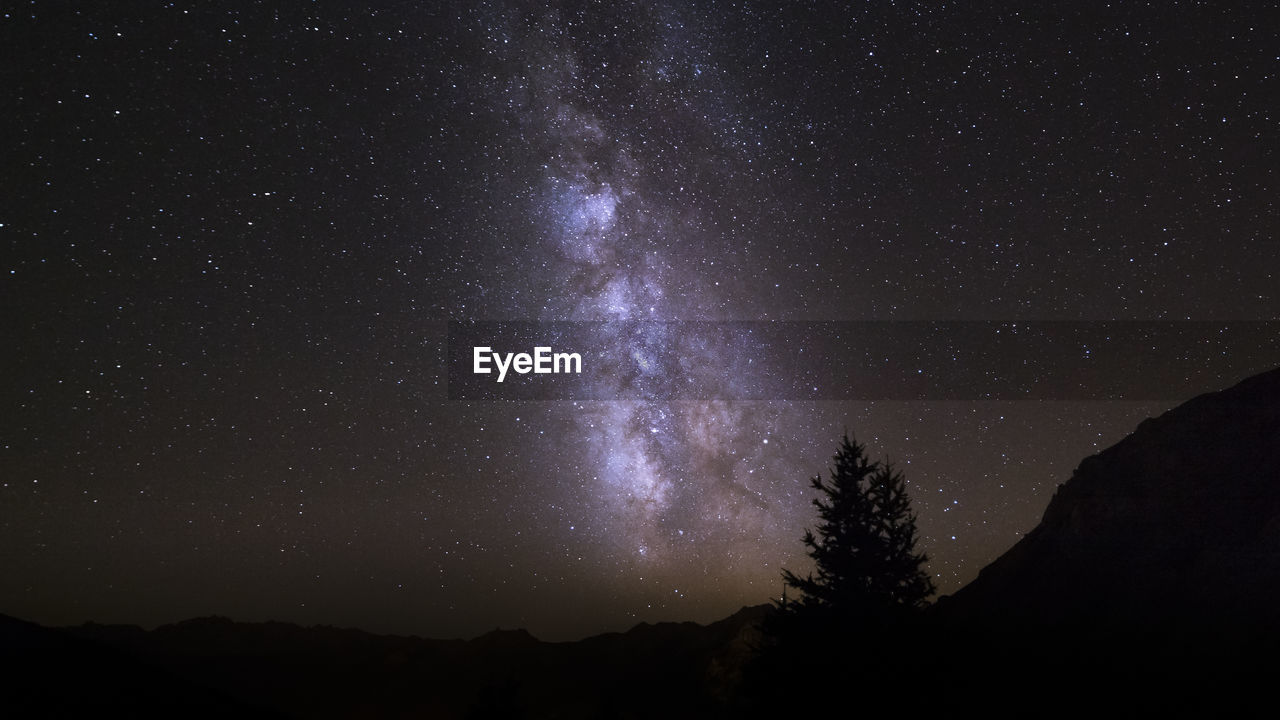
[863,548]
[849,620]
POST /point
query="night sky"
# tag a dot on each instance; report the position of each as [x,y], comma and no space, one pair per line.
[235,237]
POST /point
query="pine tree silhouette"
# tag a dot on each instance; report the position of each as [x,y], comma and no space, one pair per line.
[850,621]
[864,547]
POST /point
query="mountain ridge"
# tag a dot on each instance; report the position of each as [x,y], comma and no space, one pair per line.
[1178,521]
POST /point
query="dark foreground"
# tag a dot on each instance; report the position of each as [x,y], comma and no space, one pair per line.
[216,668]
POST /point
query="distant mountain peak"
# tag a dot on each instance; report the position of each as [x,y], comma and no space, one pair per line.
[507,638]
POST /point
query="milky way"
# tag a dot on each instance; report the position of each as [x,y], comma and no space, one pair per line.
[238,237]
[676,478]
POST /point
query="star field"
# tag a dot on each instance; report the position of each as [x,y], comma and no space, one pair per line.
[235,236]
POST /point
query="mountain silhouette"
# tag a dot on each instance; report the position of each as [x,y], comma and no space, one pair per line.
[1149,586]
[1177,525]
[51,673]
[216,667]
